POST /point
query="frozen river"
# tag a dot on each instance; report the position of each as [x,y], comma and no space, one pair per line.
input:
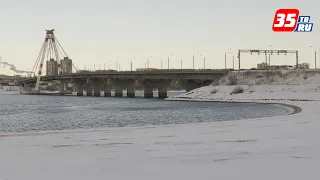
[21,113]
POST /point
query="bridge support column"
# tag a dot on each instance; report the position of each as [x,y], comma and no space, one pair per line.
[107,90]
[162,92]
[148,92]
[89,90]
[131,89]
[80,89]
[118,92]
[61,86]
[96,87]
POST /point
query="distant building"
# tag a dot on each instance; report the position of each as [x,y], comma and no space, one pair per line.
[52,67]
[273,67]
[286,67]
[303,66]
[66,65]
[262,65]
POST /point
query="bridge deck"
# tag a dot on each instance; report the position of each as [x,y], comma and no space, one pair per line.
[154,74]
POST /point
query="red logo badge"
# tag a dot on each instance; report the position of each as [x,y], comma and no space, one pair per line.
[285,20]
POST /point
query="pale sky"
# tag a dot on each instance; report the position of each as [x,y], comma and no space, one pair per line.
[107,31]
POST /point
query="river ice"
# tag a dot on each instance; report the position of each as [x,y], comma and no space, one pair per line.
[283,147]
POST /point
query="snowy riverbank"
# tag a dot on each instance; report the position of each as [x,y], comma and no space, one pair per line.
[260,86]
[281,147]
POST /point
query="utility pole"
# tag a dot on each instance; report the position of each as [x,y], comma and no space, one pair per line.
[266,58]
[225,60]
[204,63]
[131,65]
[161,64]
[104,66]
[315,59]
[181,63]
[269,59]
[168,63]
[239,52]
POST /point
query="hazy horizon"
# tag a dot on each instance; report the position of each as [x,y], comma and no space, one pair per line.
[95,33]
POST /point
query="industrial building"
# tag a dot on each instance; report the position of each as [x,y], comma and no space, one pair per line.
[303,66]
[265,66]
[262,65]
[66,65]
[52,67]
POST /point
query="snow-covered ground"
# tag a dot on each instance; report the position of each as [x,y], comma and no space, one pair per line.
[282,147]
[260,86]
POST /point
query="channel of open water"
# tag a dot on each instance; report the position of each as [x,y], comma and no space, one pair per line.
[21,113]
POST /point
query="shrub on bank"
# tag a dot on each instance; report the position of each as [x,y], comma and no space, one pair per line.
[213,91]
[237,90]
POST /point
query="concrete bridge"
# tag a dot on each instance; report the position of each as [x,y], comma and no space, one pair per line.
[94,82]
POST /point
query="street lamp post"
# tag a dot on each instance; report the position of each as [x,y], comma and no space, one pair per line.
[193,62]
[169,60]
[233,62]
[148,61]
[131,63]
[193,58]
[225,58]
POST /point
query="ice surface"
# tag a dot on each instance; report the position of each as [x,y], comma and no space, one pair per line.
[284,147]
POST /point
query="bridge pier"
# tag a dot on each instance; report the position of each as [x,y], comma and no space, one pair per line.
[89,90]
[79,86]
[96,87]
[118,91]
[162,92]
[80,89]
[61,89]
[131,89]
[148,92]
[107,88]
